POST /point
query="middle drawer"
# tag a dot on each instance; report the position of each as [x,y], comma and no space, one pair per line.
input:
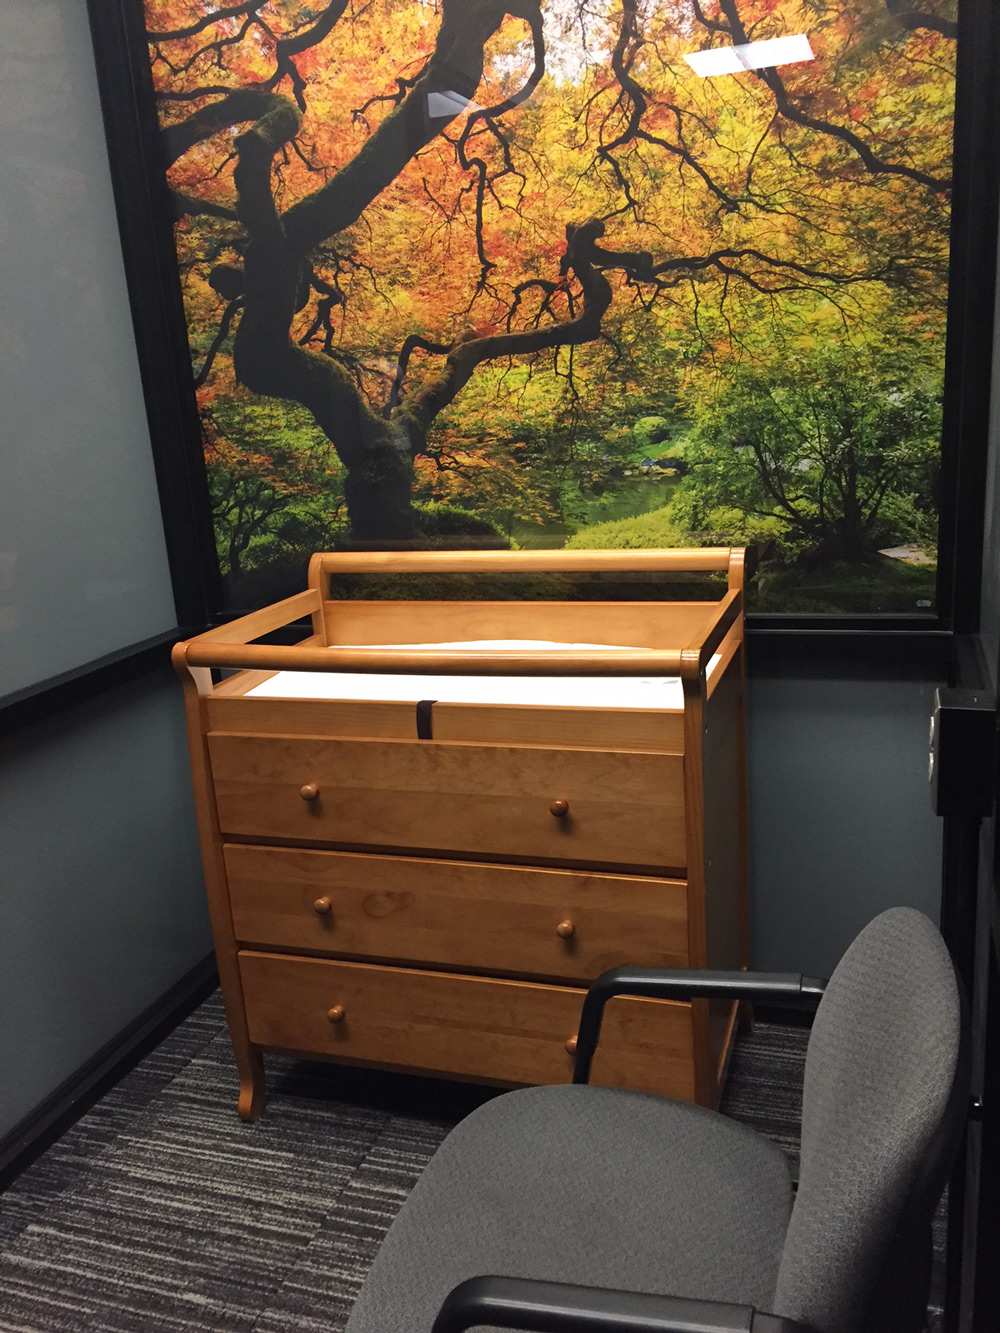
[547,923]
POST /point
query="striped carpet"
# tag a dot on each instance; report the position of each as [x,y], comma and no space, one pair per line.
[161,1210]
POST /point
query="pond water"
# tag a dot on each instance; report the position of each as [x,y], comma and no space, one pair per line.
[631,496]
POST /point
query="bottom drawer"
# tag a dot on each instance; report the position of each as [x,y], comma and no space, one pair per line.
[465,1027]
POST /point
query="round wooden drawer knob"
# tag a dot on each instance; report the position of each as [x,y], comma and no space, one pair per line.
[337,1014]
[571,1045]
[309,791]
[560,809]
[566,930]
[323,906]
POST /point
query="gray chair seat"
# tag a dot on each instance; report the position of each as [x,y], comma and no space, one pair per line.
[587,1185]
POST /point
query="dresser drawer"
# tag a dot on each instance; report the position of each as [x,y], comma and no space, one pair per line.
[591,807]
[467,1027]
[547,923]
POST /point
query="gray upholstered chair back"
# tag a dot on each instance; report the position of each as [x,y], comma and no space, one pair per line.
[878,1126]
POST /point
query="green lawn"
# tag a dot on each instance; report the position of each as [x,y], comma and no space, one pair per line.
[629,498]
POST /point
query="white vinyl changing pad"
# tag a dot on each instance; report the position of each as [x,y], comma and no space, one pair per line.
[662,692]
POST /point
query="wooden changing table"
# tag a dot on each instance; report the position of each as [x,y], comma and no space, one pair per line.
[403,871]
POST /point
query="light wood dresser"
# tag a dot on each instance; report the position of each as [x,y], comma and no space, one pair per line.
[406,875]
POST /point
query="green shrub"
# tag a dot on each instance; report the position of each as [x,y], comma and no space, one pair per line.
[655,528]
[452,528]
[725,525]
[649,431]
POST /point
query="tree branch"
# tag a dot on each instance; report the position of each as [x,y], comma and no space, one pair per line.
[582,259]
[623,57]
[545,307]
[190,205]
[872,162]
[247,7]
[236,108]
[403,86]
[409,346]
[220,337]
[530,11]
[913,19]
[284,49]
[456,66]
[712,260]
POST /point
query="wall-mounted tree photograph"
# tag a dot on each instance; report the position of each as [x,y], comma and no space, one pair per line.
[582,273]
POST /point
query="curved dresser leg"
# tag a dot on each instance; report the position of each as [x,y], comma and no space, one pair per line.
[252,1088]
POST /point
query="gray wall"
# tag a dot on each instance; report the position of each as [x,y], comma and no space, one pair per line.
[102,902]
[840,818]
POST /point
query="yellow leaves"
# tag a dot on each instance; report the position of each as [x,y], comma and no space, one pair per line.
[442,249]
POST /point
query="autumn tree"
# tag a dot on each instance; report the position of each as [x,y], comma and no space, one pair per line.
[401,215]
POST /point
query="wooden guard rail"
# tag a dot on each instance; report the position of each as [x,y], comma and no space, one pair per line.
[657,561]
[228,646]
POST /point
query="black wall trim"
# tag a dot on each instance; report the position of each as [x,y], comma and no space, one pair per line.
[885,654]
[789,1018]
[144,219]
[840,654]
[78,1093]
[971,301]
[38,701]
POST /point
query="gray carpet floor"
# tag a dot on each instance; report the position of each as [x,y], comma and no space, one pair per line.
[161,1210]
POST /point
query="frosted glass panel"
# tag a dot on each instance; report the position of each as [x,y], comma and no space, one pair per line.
[83,566]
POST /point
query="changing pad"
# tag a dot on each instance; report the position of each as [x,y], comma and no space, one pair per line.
[639,692]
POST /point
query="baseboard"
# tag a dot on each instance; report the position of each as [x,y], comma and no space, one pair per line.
[77,1094]
[789,1017]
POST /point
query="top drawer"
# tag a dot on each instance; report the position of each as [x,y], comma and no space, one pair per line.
[573,806]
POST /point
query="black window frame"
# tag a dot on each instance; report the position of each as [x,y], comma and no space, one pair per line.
[143,210]
[874,645]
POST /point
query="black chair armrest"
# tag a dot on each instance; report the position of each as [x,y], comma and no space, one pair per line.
[560,1307]
[779,988]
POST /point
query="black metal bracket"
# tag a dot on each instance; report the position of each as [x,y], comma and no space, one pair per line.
[561,1307]
[772,988]
[963,753]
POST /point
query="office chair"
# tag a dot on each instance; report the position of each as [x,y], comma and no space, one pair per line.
[584,1208]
